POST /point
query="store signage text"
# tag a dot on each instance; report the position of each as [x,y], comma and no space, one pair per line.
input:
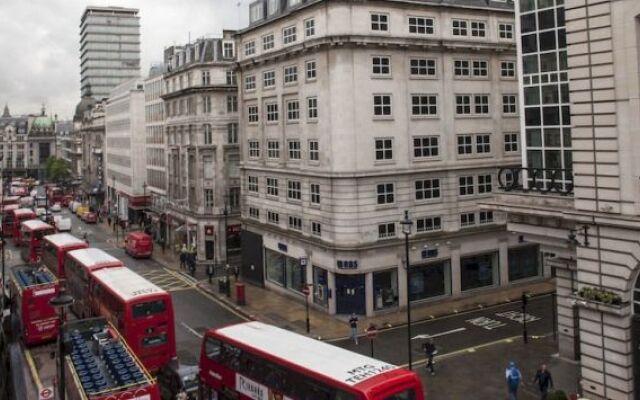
[347,264]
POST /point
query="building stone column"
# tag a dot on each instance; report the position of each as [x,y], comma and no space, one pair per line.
[368,290]
[331,284]
[455,270]
[503,261]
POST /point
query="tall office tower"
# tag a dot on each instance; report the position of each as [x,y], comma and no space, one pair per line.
[109,49]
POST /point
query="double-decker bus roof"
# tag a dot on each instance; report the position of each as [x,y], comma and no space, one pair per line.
[63,239]
[23,211]
[91,257]
[36,224]
[125,283]
[325,359]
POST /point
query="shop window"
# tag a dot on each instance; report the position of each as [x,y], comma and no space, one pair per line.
[320,286]
[430,280]
[284,270]
[385,289]
[478,271]
[275,263]
[524,262]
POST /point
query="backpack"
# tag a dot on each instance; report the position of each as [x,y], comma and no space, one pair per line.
[514,377]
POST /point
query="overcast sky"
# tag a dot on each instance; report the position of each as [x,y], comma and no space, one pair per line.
[39,41]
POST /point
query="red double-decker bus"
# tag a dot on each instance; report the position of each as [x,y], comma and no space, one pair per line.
[7,219]
[33,231]
[20,215]
[142,312]
[55,194]
[31,289]
[253,360]
[54,248]
[101,365]
[8,200]
[77,266]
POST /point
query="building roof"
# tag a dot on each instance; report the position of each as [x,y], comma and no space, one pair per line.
[63,239]
[285,9]
[126,284]
[42,122]
[92,257]
[328,360]
[85,105]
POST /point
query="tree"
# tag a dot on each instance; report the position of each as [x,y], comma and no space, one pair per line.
[57,170]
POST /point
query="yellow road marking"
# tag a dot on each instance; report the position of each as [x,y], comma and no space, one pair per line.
[33,369]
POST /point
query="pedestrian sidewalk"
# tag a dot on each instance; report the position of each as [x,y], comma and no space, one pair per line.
[480,373]
[288,310]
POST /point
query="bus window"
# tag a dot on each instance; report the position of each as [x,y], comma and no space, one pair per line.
[212,349]
[141,310]
[408,394]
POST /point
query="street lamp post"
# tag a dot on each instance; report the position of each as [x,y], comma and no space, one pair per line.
[226,234]
[144,198]
[406,229]
[306,291]
[61,302]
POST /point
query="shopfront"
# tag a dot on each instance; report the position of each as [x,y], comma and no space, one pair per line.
[385,289]
[524,262]
[478,271]
[320,286]
[284,270]
[432,280]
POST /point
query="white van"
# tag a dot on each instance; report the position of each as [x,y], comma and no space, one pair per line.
[62,224]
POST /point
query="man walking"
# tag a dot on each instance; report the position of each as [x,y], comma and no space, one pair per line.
[430,351]
[513,377]
[353,323]
[545,381]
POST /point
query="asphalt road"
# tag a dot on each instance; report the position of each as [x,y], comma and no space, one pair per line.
[456,333]
[194,310]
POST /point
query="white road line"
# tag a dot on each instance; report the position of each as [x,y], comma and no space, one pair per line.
[190,329]
[435,335]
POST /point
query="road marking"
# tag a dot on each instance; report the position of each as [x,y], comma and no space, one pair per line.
[486,323]
[435,335]
[222,304]
[33,369]
[190,329]
[518,316]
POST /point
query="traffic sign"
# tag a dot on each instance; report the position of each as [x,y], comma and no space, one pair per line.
[372,331]
[46,393]
[306,290]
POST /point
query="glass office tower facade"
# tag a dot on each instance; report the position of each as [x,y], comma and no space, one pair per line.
[109,49]
[544,85]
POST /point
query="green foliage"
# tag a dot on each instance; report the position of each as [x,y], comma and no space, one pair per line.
[557,395]
[57,170]
[600,295]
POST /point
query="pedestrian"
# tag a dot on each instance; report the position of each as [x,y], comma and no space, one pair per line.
[353,323]
[545,381]
[191,260]
[430,350]
[513,377]
[183,256]
[182,395]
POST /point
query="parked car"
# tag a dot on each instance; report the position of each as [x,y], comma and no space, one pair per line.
[139,244]
[56,207]
[66,200]
[62,224]
[89,217]
[40,211]
[81,210]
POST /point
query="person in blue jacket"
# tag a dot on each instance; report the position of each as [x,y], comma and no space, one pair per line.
[513,377]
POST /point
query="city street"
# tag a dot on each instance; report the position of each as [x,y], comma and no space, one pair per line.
[195,311]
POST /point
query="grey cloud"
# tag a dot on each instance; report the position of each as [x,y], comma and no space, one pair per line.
[40,42]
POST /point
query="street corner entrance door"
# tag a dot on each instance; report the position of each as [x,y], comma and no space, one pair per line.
[350,294]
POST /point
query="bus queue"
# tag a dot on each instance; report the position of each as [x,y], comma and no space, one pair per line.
[123,334]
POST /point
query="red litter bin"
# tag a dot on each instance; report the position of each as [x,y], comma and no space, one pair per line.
[240,294]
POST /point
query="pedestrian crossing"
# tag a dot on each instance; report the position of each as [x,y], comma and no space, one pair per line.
[168,280]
